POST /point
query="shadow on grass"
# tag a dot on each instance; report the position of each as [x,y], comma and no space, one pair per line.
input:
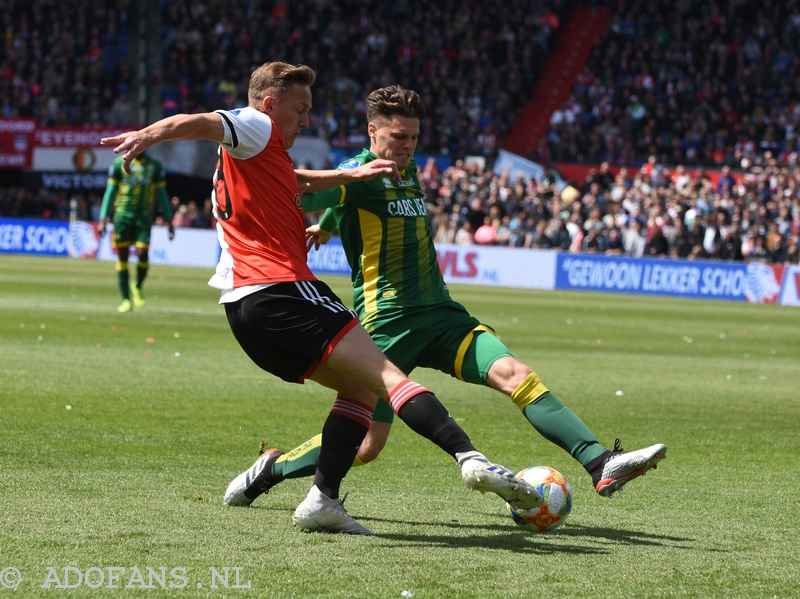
[594,540]
[631,537]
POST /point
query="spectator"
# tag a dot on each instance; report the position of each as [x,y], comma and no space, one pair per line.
[593,243]
[759,253]
[181,217]
[658,245]
[464,235]
[538,239]
[633,241]
[614,246]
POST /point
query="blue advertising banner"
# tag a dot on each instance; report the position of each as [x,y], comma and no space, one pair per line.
[676,278]
[42,237]
[329,259]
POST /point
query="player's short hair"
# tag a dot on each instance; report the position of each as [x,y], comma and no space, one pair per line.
[386,102]
[276,78]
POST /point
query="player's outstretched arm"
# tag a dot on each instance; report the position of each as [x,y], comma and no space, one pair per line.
[181,126]
[311,181]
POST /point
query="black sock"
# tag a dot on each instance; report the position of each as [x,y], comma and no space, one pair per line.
[341,438]
[426,416]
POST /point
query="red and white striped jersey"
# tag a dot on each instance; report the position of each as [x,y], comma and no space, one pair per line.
[263,238]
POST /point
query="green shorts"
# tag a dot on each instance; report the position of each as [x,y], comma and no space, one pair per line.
[444,337]
[131,229]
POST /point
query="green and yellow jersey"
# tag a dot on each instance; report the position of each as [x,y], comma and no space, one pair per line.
[384,230]
[134,194]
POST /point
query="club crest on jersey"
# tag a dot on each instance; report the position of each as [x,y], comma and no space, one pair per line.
[348,164]
[297,201]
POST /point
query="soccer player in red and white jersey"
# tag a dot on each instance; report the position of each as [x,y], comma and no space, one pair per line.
[289,323]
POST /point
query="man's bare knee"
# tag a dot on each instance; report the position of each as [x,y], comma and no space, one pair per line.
[374,442]
[368,453]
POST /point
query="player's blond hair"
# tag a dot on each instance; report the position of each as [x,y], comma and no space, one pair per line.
[275,79]
[386,102]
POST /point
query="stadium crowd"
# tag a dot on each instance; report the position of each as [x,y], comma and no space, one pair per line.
[649,211]
[706,83]
[713,84]
[474,63]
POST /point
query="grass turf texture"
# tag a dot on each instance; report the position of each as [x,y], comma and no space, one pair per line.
[165,409]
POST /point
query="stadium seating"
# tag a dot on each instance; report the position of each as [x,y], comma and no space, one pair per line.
[689,85]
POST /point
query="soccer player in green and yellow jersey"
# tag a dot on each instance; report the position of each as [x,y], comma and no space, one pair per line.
[132,196]
[403,302]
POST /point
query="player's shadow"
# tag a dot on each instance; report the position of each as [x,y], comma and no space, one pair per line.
[511,538]
[631,537]
[590,540]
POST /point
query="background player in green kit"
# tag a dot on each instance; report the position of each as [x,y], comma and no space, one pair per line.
[132,195]
[403,302]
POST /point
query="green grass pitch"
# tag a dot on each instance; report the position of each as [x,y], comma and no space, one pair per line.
[119,433]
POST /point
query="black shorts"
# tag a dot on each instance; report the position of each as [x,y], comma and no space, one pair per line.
[288,329]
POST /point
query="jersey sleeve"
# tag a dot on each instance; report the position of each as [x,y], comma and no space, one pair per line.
[115,172]
[114,179]
[328,221]
[159,176]
[329,198]
[247,132]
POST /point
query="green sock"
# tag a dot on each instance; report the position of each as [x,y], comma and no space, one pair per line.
[301,461]
[123,279]
[141,273]
[560,425]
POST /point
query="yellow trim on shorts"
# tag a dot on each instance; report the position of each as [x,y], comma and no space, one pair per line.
[528,391]
[462,349]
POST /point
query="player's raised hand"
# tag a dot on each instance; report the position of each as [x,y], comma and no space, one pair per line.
[317,236]
[377,168]
[131,143]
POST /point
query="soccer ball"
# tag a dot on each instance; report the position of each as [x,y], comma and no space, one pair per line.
[557,502]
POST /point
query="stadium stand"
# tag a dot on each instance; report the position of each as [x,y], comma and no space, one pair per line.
[667,91]
[475,63]
[709,84]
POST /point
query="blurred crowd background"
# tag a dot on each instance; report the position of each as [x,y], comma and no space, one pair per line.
[691,108]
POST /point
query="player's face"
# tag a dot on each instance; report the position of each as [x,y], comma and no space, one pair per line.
[395,139]
[290,111]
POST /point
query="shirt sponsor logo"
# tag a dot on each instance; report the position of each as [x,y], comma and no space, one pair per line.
[413,207]
[348,164]
[390,184]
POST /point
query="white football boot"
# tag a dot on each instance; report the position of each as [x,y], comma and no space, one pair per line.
[254,481]
[614,469]
[318,512]
[479,474]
